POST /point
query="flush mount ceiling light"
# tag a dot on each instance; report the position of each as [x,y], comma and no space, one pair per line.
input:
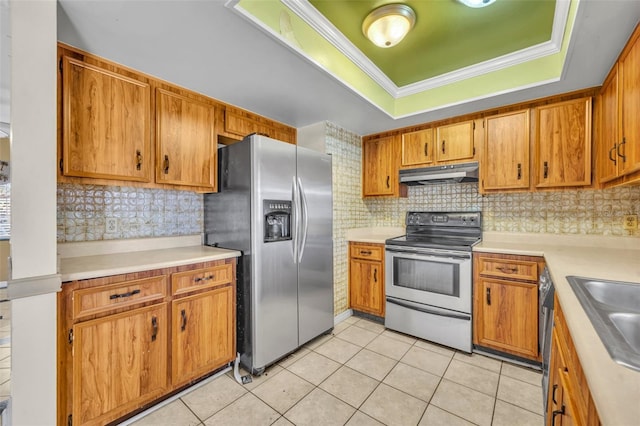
[387,25]
[477,3]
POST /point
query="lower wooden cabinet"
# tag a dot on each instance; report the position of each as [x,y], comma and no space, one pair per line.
[366,278]
[506,304]
[570,401]
[128,340]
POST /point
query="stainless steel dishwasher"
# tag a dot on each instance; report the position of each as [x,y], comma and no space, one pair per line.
[545,298]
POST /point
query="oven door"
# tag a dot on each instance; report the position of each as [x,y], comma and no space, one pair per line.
[438,278]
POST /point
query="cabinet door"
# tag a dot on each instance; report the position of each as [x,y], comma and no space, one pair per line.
[417,148]
[608,159]
[507,316]
[629,69]
[105,124]
[203,333]
[379,167]
[506,152]
[366,286]
[119,363]
[563,144]
[454,142]
[185,141]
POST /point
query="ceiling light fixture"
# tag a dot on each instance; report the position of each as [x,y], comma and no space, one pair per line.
[477,3]
[387,25]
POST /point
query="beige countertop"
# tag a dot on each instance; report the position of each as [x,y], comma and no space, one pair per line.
[105,258]
[615,389]
[376,235]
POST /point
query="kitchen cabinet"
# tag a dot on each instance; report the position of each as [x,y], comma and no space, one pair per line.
[619,143]
[242,123]
[455,141]
[126,341]
[506,304]
[105,122]
[366,278]
[417,148]
[505,161]
[186,148]
[563,144]
[203,324]
[380,164]
[569,400]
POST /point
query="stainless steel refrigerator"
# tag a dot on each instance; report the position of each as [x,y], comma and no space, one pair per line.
[275,205]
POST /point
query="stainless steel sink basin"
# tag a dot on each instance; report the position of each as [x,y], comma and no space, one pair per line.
[614,310]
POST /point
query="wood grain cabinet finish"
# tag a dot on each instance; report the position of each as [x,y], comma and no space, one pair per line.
[417,148]
[380,164]
[366,278]
[125,341]
[455,141]
[563,144]
[505,161]
[619,143]
[106,123]
[506,303]
[241,123]
[570,401]
[185,141]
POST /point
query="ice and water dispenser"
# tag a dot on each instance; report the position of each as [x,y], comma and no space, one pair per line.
[277,220]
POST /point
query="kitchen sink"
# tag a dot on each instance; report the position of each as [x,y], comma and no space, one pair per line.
[614,310]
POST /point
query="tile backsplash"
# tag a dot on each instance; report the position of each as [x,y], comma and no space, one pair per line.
[83,212]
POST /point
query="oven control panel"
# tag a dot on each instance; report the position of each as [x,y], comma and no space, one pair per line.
[463,219]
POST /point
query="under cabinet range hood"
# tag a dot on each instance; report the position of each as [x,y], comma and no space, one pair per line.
[451,173]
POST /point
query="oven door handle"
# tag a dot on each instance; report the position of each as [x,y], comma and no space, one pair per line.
[410,254]
[428,311]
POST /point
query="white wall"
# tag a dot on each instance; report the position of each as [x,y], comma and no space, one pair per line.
[33,211]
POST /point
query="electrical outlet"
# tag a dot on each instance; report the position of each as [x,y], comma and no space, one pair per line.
[111,225]
[630,221]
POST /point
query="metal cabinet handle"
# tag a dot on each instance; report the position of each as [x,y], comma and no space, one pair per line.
[555,413]
[207,278]
[138,160]
[365,252]
[519,171]
[507,270]
[426,149]
[489,296]
[183,314]
[388,177]
[375,275]
[624,157]
[165,166]
[611,157]
[443,146]
[127,294]
[546,169]
[154,328]
[553,394]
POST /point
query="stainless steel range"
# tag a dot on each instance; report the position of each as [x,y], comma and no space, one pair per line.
[429,277]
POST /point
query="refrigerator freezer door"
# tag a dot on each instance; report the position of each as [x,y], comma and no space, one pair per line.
[315,268]
[274,302]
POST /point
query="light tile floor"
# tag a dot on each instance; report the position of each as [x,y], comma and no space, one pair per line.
[363,374]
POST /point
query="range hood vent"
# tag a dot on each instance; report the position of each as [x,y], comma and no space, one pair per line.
[452,173]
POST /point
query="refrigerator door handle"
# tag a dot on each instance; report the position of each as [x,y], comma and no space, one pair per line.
[296,219]
[305,220]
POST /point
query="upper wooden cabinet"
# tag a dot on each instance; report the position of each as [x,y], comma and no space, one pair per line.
[242,123]
[380,167]
[619,142]
[106,123]
[185,141]
[563,144]
[455,141]
[417,148]
[505,161]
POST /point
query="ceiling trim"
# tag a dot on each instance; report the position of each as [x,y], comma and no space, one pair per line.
[326,29]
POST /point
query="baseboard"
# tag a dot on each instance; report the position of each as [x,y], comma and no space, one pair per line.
[342,316]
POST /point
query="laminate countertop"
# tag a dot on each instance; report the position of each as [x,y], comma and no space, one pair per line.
[615,389]
[80,261]
[376,235]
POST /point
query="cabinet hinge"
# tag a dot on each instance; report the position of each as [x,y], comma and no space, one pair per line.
[70,335]
[69,420]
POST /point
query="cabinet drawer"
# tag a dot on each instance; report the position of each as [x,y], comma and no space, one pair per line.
[369,252]
[97,300]
[200,279]
[506,268]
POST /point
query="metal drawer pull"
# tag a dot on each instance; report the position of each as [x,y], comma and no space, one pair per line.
[127,294]
[624,157]
[365,252]
[546,169]
[519,171]
[426,149]
[183,314]
[443,142]
[555,413]
[506,270]
[138,160]
[207,278]
[615,148]
[154,327]
[165,166]
[553,394]
[489,296]
[388,186]
[375,275]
